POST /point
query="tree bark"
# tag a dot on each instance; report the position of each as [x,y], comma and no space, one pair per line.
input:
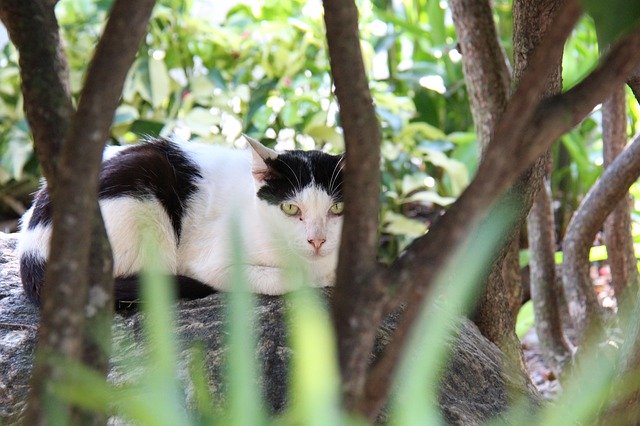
[531,21]
[546,294]
[485,68]
[514,146]
[487,80]
[74,202]
[355,318]
[612,187]
[617,227]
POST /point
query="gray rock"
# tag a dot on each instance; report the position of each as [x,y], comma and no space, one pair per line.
[474,388]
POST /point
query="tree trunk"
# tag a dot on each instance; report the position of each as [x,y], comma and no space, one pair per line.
[487,79]
[525,132]
[356,316]
[531,21]
[77,290]
[617,227]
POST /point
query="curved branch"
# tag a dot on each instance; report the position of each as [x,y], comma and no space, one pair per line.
[603,197]
[634,84]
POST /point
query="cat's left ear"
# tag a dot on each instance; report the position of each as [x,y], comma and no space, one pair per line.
[260,155]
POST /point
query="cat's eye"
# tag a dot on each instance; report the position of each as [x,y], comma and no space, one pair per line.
[337,208]
[289,209]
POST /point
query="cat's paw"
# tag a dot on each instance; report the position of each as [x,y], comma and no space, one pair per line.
[327,280]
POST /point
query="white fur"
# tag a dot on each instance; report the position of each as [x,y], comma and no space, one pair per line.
[225,200]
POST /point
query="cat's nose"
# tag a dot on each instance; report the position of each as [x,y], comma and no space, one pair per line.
[316,243]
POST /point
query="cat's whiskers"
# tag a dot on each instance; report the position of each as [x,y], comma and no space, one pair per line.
[334,175]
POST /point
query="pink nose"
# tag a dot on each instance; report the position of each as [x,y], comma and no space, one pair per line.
[316,243]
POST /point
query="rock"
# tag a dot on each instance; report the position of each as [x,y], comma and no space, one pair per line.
[474,388]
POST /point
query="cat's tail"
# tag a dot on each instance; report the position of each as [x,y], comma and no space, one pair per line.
[127,290]
[32,275]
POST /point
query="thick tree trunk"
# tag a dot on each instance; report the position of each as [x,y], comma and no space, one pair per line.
[77,291]
[487,79]
[531,21]
[356,315]
[617,227]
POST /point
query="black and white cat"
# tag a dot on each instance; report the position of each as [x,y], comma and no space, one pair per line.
[187,195]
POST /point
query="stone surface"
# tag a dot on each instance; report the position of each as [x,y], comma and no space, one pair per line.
[474,388]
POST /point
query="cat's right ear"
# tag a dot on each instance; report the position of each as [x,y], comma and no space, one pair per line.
[260,156]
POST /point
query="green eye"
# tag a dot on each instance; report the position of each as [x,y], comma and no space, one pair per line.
[289,209]
[337,208]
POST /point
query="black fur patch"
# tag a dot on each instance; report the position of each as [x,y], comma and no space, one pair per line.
[292,171]
[41,209]
[153,169]
[127,290]
[32,275]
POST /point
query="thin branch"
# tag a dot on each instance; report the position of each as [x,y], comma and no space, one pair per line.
[617,227]
[357,264]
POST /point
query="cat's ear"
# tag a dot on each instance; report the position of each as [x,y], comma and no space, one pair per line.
[260,155]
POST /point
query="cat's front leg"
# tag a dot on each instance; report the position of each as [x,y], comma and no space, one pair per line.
[265,280]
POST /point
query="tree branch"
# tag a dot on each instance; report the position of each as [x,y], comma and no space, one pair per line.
[531,20]
[634,84]
[601,199]
[487,80]
[352,310]
[485,67]
[501,164]
[33,29]
[617,227]
[517,142]
[75,198]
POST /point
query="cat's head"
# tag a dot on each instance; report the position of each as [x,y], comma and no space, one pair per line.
[302,190]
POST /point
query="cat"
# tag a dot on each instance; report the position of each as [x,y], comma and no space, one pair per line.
[188,196]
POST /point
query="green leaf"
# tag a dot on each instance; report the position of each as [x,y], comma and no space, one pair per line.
[455,169]
[159,81]
[200,121]
[125,114]
[146,127]
[429,197]
[421,129]
[525,320]
[325,134]
[398,224]
[613,18]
